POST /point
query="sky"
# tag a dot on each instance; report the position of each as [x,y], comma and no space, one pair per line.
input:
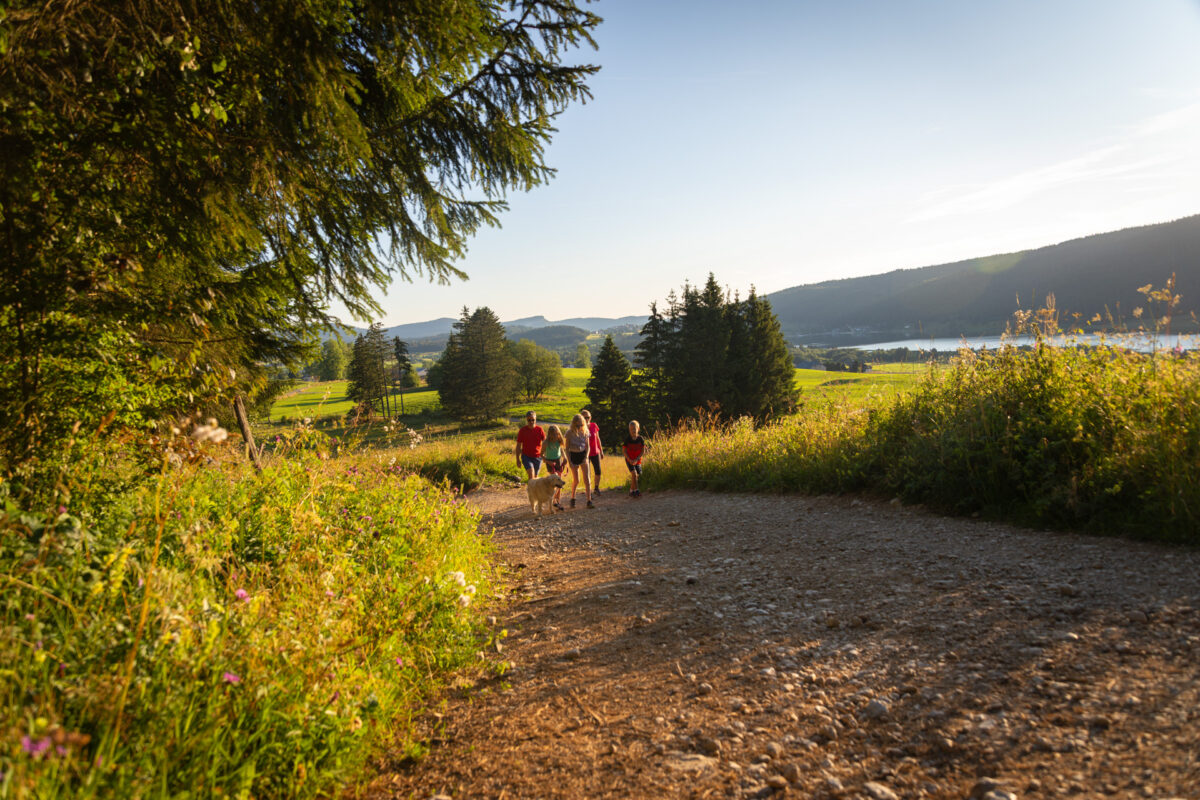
[777,143]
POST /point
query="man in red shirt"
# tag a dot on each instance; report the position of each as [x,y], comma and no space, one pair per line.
[529,446]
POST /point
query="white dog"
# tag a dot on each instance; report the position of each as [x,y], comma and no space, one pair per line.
[541,490]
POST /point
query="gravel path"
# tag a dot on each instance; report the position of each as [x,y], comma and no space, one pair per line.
[703,645]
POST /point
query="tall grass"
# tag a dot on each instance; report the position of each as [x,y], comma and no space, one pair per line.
[218,633]
[1103,439]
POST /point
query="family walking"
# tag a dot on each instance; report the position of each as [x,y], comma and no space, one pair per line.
[580,448]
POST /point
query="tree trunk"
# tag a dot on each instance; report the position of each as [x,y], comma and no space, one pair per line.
[239,411]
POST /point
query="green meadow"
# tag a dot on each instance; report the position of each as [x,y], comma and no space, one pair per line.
[328,399]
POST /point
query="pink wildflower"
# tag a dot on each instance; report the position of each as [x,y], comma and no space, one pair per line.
[231,677]
[242,594]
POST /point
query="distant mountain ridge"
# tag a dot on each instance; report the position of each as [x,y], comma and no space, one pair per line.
[1093,274]
[442,326]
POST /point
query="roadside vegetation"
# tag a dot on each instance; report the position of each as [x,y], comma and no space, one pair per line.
[219,633]
[1104,439]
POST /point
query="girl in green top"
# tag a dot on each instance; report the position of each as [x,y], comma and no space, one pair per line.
[556,462]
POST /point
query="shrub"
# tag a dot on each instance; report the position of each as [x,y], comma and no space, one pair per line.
[217,632]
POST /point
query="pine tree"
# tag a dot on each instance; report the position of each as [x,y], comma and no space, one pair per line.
[610,392]
[652,356]
[367,374]
[188,185]
[697,372]
[479,376]
[770,378]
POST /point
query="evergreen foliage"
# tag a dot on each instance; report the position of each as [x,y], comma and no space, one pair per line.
[714,354]
[478,372]
[367,373]
[188,185]
[611,397]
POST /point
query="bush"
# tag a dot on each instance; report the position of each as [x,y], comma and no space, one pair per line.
[1101,439]
[217,632]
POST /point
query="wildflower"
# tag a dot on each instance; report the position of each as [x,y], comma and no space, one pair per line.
[242,594]
[231,677]
[399,661]
[464,600]
[329,593]
[470,589]
[458,578]
[62,509]
[33,748]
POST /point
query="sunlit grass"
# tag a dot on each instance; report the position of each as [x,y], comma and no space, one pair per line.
[224,633]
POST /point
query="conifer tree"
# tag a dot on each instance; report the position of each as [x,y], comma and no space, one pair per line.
[187,186]
[770,376]
[479,376]
[652,357]
[367,374]
[610,392]
[698,376]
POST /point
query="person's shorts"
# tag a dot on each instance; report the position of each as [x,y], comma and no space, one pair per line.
[595,463]
[635,468]
[577,458]
[531,462]
[556,467]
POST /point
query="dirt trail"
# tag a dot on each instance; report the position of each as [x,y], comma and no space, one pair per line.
[703,645]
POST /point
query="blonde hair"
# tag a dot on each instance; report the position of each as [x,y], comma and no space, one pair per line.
[577,421]
[587,415]
[633,423]
[553,434]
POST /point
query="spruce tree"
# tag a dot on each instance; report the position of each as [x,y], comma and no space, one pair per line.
[367,374]
[770,378]
[479,376]
[187,186]
[610,392]
[698,377]
[652,357]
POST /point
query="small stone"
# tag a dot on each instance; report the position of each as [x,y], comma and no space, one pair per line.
[1137,616]
[689,762]
[673,523]
[708,746]
[704,689]
[834,785]
[777,782]
[876,709]
[572,654]
[985,786]
[877,791]
[774,750]
[791,771]
[692,579]
[999,794]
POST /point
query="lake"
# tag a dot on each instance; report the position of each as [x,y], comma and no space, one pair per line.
[1141,342]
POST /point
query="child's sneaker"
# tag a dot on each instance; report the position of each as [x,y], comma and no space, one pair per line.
[590,504]
[572,502]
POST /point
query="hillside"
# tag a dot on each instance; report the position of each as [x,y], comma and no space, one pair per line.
[979,296]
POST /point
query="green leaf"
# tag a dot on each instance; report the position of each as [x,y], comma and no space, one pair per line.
[195,110]
[219,66]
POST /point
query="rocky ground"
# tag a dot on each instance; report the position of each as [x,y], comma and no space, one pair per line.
[703,645]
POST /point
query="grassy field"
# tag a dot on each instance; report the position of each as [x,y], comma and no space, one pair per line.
[328,400]
[884,380]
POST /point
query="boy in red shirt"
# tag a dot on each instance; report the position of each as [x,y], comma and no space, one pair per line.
[634,446]
[529,446]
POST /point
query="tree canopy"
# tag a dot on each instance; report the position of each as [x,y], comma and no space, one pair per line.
[189,185]
[478,372]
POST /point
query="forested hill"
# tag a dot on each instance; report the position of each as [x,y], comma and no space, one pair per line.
[979,296]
